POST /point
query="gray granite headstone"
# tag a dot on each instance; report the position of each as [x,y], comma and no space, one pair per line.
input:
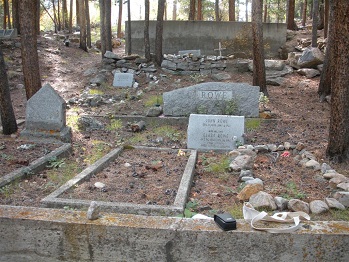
[8,33]
[2,32]
[123,80]
[187,52]
[46,115]
[214,98]
[215,132]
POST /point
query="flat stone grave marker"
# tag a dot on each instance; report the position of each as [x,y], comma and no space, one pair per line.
[187,52]
[2,32]
[46,115]
[215,132]
[213,98]
[123,80]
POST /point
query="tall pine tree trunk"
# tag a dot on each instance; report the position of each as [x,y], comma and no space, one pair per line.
[315,23]
[231,10]
[338,144]
[15,15]
[119,20]
[159,32]
[30,59]
[82,14]
[259,78]
[129,41]
[7,115]
[146,31]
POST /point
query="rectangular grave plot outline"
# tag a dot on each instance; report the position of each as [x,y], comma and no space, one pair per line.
[55,201]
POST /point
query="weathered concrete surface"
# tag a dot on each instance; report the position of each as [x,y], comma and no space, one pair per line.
[206,35]
[50,235]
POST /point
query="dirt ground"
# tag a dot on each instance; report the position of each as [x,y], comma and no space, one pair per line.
[297,116]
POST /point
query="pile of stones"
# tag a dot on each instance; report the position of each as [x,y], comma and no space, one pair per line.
[243,159]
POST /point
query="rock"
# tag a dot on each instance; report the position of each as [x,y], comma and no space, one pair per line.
[261,148]
[343,186]
[293,58]
[281,203]
[90,71]
[98,80]
[337,180]
[311,58]
[241,162]
[99,185]
[275,81]
[263,200]
[332,174]
[93,211]
[325,167]
[86,123]
[248,191]
[246,178]
[313,164]
[221,76]
[154,111]
[111,55]
[342,197]
[246,173]
[298,205]
[300,146]
[334,203]
[287,145]
[254,181]
[318,207]
[308,72]
[272,147]
[266,114]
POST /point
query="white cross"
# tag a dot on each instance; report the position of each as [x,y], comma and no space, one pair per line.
[220,49]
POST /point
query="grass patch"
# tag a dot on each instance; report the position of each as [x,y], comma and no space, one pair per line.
[72,121]
[115,124]
[252,124]
[293,192]
[99,149]
[95,92]
[170,132]
[236,211]
[61,174]
[154,101]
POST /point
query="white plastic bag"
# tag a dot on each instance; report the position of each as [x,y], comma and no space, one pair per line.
[253,216]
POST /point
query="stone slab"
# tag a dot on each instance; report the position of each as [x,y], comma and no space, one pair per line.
[46,111]
[213,98]
[123,80]
[215,132]
[8,33]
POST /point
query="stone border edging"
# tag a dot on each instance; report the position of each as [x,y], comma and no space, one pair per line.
[37,165]
[54,201]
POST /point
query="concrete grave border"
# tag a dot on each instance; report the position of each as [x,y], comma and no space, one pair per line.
[36,166]
[55,201]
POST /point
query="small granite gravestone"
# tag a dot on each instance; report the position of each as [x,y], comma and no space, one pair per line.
[213,98]
[215,132]
[2,32]
[8,33]
[123,80]
[46,115]
[187,52]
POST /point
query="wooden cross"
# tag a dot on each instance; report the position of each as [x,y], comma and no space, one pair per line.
[220,49]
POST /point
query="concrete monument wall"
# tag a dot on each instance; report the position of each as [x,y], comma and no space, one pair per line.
[206,35]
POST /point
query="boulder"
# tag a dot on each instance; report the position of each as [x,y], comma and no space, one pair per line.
[311,58]
[298,205]
[263,200]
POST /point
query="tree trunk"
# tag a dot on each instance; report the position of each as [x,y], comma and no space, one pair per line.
[321,21]
[265,13]
[102,27]
[231,10]
[146,31]
[216,10]
[259,78]
[15,15]
[304,13]
[55,16]
[71,17]
[82,15]
[7,16]
[107,21]
[77,13]
[326,73]
[88,24]
[159,31]
[199,13]
[174,10]
[338,145]
[37,15]
[30,59]
[290,15]
[326,23]
[191,10]
[119,20]
[59,15]
[315,23]
[7,115]
[129,40]
[246,10]
[65,14]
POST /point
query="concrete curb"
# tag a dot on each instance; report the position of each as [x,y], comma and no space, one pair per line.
[55,201]
[37,165]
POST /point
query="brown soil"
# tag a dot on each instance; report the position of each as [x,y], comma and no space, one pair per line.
[298,116]
[136,176]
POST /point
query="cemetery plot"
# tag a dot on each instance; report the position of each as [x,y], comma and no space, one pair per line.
[137,176]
